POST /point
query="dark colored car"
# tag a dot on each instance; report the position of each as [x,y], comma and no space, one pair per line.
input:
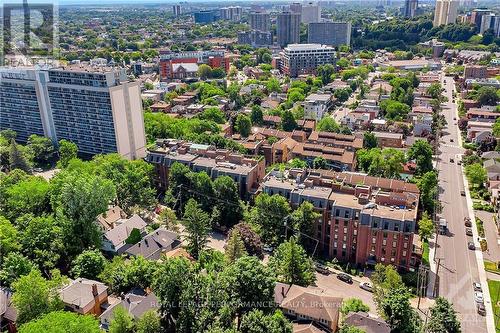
[462,193]
[467,222]
[481,309]
[322,269]
[471,246]
[468,231]
[344,277]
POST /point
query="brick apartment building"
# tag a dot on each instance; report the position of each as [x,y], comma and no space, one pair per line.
[174,65]
[246,172]
[365,220]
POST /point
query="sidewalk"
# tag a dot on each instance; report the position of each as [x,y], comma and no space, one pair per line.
[490,322]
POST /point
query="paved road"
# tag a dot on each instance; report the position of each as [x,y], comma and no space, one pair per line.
[458,265]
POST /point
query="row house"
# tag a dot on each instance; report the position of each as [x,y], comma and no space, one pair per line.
[364,220]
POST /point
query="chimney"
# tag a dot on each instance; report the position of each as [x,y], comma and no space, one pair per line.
[94,290]
[283,291]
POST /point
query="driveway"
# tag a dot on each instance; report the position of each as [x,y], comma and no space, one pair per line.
[491,235]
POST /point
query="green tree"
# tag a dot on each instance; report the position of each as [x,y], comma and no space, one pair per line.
[168,283]
[256,321]
[27,196]
[398,313]
[204,71]
[421,153]
[292,265]
[269,213]
[243,125]
[149,322]
[343,63]
[214,114]
[121,321]
[288,122]
[304,219]
[328,124]
[273,85]
[42,149]
[443,318]
[67,151]
[319,163]
[435,90]
[17,158]
[394,110]
[249,282]
[487,96]
[325,72]
[88,264]
[256,115]
[342,94]
[168,219]
[13,266]
[133,180]
[8,237]
[82,199]
[369,140]
[197,224]
[353,305]
[228,201]
[476,174]
[427,184]
[350,329]
[425,227]
[34,296]
[251,240]
[235,247]
[62,321]
[385,279]
[496,128]
[42,240]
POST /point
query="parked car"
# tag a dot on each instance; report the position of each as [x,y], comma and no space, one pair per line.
[366,286]
[481,309]
[451,140]
[37,170]
[478,297]
[477,286]
[344,277]
[452,160]
[268,248]
[467,222]
[454,118]
[462,193]
[322,269]
[460,163]
[468,231]
[471,246]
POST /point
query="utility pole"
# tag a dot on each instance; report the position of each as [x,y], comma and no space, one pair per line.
[436,291]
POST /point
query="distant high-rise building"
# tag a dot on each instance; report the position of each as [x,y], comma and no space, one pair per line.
[410,8]
[296,8]
[329,33]
[96,108]
[490,22]
[256,38]
[205,16]
[311,13]
[446,12]
[176,9]
[231,13]
[288,28]
[477,15]
[260,21]
[300,59]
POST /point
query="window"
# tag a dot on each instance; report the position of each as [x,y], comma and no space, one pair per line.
[384,242]
[374,240]
[355,232]
[405,245]
[386,225]
[396,227]
[394,244]
[337,212]
[372,249]
[385,234]
[404,253]
[345,230]
[346,214]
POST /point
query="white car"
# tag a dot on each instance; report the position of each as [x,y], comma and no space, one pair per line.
[478,297]
[366,286]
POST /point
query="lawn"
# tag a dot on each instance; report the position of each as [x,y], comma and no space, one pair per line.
[491,266]
[425,253]
[494,287]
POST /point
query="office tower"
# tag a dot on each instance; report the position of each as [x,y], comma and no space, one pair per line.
[260,21]
[446,12]
[330,33]
[311,13]
[96,108]
[490,21]
[288,28]
[231,13]
[206,16]
[298,59]
[176,9]
[410,8]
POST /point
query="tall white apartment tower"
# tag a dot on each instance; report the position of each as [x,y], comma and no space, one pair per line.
[446,12]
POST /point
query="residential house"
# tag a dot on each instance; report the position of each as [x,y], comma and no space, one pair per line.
[493,169]
[363,321]
[8,312]
[316,105]
[422,124]
[115,240]
[155,244]
[312,304]
[478,131]
[306,328]
[389,140]
[84,296]
[135,303]
[110,218]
